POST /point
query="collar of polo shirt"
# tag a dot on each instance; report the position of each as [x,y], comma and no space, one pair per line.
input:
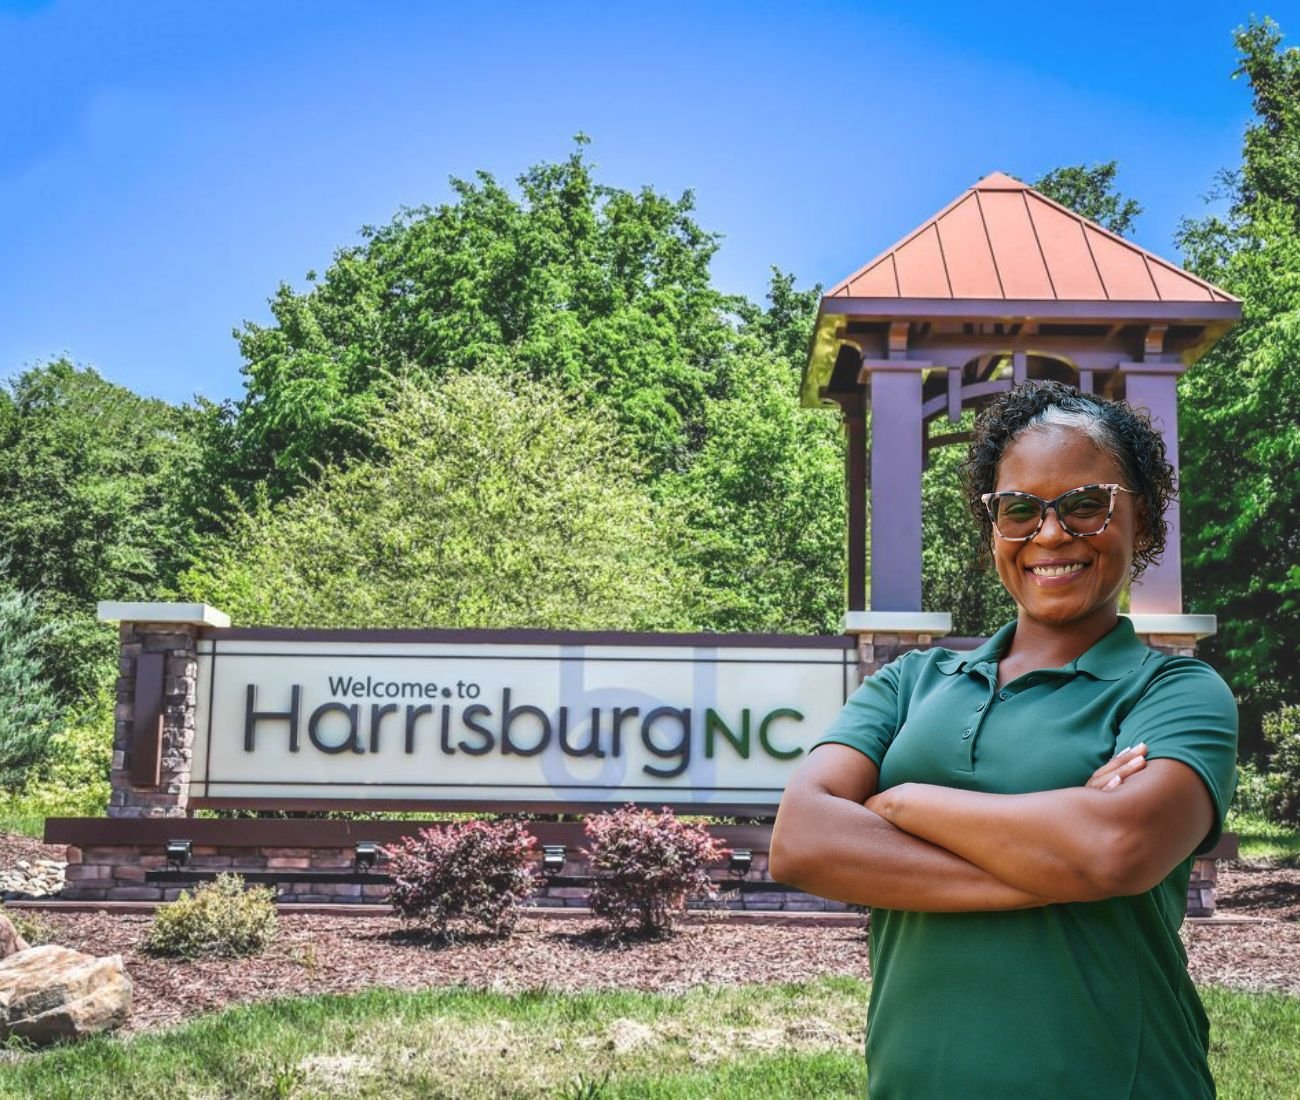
[1111,657]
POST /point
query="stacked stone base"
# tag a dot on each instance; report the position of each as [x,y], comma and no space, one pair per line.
[118,873]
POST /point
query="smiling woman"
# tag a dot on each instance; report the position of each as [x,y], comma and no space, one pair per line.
[1022,819]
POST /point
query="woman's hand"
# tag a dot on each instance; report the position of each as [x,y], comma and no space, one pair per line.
[1108,777]
[1118,768]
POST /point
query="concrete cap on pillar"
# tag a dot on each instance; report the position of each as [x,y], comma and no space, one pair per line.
[1202,626]
[188,614]
[934,623]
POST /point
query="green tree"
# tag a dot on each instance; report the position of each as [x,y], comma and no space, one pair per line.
[486,502]
[28,715]
[602,291]
[1091,192]
[94,488]
[953,577]
[1240,404]
[764,499]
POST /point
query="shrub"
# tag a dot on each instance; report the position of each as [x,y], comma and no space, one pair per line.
[73,780]
[1282,728]
[29,713]
[646,865]
[1258,791]
[476,872]
[221,917]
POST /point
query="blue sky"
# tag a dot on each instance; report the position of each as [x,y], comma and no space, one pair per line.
[163,166]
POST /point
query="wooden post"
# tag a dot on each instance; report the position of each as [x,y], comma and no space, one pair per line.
[1154,387]
[855,465]
[896,459]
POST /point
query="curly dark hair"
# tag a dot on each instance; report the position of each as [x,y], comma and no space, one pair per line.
[1118,429]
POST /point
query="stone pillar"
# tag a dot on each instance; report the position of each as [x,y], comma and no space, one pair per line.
[885,635]
[1154,387]
[168,633]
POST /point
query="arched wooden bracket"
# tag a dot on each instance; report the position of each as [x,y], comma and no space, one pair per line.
[146,726]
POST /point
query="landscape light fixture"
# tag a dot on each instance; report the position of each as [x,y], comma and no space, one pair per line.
[365,855]
[741,861]
[554,857]
[178,853]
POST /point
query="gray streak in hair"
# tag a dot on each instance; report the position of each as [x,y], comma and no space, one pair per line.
[1088,418]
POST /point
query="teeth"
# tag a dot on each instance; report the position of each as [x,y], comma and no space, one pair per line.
[1056,570]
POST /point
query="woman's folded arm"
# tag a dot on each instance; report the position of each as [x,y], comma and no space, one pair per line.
[828,843]
[1078,844]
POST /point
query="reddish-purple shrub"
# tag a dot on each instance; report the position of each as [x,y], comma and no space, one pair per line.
[646,865]
[478,872]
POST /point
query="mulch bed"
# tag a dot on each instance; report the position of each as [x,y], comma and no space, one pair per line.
[323,953]
[1259,889]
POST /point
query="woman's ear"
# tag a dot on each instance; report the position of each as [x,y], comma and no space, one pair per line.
[1142,530]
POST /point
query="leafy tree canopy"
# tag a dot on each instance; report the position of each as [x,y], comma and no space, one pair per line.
[764,498]
[93,504]
[1240,405]
[1091,192]
[486,502]
[603,291]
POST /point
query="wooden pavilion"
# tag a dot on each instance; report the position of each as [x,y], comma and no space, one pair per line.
[1000,286]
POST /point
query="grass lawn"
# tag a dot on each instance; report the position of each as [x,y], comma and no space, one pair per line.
[1264,839]
[20,824]
[741,1042]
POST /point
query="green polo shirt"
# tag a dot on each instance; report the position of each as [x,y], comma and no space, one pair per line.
[1090,999]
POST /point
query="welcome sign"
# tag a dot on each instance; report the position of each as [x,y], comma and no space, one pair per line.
[449,722]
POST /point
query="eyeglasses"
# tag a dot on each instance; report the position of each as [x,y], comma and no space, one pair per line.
[1018,517]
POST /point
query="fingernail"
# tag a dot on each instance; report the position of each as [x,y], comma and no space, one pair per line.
[1111,783]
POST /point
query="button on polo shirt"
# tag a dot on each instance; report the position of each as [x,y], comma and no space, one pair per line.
[1074,1000]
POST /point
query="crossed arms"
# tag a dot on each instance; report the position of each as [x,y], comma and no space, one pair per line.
[938,849]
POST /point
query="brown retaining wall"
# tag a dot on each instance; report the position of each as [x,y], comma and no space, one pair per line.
[108,860]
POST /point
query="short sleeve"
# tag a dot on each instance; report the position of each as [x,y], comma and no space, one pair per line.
[1187,713]
[871,716]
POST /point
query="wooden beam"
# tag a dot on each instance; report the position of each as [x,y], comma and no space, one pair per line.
[1031,343]
[972,392]
[891,366]
[146,722]
[1043,310]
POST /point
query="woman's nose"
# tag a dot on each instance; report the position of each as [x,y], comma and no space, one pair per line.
[1051,531]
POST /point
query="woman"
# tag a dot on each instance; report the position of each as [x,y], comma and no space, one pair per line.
[1022,818]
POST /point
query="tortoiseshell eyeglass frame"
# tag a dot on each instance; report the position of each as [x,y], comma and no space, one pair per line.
[1043,505]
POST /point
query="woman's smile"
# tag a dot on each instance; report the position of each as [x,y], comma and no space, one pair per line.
[1054,573]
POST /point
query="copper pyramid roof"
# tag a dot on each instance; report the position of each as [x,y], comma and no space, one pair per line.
[1001,239]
